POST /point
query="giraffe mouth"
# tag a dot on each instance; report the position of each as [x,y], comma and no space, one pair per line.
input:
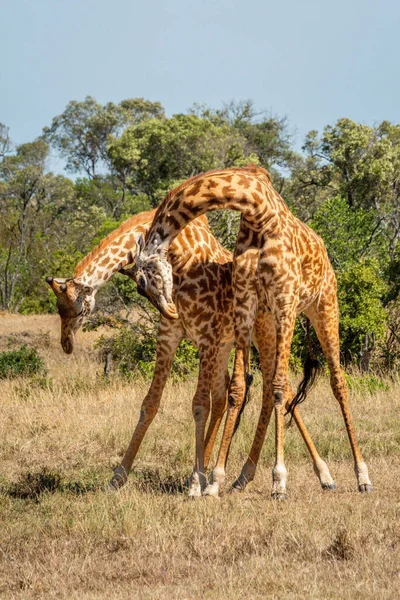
[167,309]
[67,344]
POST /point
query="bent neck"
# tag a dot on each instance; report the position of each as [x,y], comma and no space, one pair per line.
[119,250]
[113,253]
[248,190]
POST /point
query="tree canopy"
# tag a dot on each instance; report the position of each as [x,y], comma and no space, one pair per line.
[125,157]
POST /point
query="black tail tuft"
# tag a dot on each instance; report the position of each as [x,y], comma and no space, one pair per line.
[249,381]
[312,369]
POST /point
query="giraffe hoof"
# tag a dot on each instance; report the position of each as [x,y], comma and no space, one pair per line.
[211,491]
[365,488]
[194,493]
[279,496]
[115,483]
[235,489]
[212,496]
[118,480]
[328,486]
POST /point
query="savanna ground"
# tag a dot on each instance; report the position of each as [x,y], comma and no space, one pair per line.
[63,536]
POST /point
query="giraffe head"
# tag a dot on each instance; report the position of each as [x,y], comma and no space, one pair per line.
[153,275]
[75,301]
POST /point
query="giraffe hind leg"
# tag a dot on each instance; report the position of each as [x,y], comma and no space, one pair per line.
[324,318]
[265,341]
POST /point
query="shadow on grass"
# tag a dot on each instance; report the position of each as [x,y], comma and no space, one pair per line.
[153,482]
[31,486]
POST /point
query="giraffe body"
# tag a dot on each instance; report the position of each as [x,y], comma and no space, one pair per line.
[202,291]
[292,275]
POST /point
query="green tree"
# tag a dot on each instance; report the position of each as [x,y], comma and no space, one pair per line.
[349,234]
[156,154]
[81,133]
[360,292]
[40,216]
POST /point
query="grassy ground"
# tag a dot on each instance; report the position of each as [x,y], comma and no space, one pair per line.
[62,536]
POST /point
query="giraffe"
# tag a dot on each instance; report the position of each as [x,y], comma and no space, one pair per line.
[200,265]
[293,276]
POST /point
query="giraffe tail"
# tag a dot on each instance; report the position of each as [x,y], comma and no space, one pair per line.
[312,368]
[249,381]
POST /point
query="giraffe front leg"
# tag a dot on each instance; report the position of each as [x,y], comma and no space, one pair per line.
[279,472]
[169,337]
[201,409]
[264,337]
[237,392]
[284,321]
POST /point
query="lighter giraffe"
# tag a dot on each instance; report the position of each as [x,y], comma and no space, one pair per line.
[200,266]
[279,262]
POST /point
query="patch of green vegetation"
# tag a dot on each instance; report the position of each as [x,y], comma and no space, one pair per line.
[366,383]
[23,362]
[133,350]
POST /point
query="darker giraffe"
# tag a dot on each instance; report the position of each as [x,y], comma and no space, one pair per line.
[279,262]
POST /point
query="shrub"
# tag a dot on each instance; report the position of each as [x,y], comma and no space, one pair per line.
[360,291]
[25,361]
[133,349]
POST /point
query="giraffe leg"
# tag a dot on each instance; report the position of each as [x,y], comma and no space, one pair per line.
[237,391]
[201,409]
[274,339]
[219,398]
[284,321]
[265,339]
[169,338]
[324,318]
[320,466]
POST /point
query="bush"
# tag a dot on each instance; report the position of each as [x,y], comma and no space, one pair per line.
[360,292]
[133,350]
[25,361]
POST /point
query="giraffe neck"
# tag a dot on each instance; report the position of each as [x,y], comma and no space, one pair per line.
[248,190]
[115,252]
[119,249]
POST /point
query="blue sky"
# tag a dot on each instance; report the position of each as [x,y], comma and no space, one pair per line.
[313,61]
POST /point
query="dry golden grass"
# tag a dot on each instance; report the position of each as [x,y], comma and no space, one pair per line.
[62,536]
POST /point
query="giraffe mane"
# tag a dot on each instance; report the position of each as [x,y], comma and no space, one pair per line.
[250,168]
[139,219]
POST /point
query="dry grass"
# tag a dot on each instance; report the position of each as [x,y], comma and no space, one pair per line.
[62,536]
